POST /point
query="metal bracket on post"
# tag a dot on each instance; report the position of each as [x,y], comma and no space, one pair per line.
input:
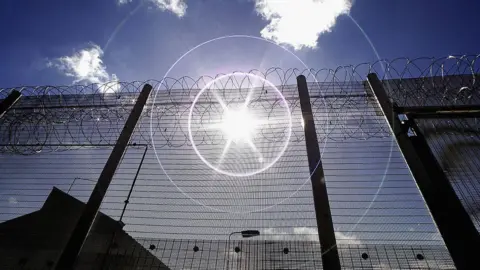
[457,229]
[326,233]
[9,101]
[80,232]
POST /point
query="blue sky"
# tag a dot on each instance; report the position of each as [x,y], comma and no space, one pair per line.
[36,34]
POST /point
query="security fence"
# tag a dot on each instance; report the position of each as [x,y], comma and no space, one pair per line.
[189,178]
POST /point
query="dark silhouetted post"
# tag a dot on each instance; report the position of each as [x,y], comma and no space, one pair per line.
[326,232]
[460,235]
[8,102]
[80,232]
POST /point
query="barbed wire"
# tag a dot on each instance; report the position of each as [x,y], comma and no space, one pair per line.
[53,118]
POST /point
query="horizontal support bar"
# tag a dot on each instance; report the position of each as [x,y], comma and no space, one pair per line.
[460,111]
[72,145]
[106,106]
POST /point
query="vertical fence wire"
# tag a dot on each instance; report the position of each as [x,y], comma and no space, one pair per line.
[61,137]
[457,153]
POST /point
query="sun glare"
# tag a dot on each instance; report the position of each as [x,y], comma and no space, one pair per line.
[238,125]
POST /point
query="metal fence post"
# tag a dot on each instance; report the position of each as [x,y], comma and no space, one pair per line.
[9,101]
[457,229]
[80,232]
[323,215]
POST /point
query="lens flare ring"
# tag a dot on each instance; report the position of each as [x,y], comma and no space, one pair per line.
[268,165]
[152,129]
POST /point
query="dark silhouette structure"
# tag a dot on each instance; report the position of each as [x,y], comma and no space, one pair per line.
[35,240]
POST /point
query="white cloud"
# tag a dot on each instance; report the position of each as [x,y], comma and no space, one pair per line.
[299,23]
[111,86]
[308,234]
[275,234]
[12,200]
[178,7]
[86,66]
[311,234]
[123,2]
[343,239]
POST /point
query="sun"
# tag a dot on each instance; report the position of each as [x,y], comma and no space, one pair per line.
[238,125]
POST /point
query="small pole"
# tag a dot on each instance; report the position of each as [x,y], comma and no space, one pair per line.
[9,101]
[80,232]
[323,215]
[228,249]
[126,202]
[454,224]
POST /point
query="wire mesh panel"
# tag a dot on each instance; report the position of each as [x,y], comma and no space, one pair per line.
[374,199]
[255,186]
[212,254]
[395,257]
[455,143]
[28,180]
[193,174]
[448,82]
